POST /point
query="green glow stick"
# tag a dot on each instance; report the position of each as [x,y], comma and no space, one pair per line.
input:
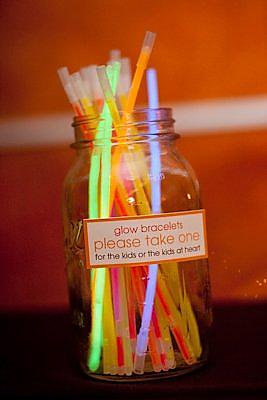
[106,152]
[103,131]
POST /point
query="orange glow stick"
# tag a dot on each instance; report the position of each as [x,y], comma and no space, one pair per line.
[139,72]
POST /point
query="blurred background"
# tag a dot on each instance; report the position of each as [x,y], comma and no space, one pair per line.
[211,58]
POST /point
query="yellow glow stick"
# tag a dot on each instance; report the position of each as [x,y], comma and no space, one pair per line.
[80,90]
[142,202]
[175,321]
[170,272]
[177,289]
[167,341]
[122,194]
[192,324]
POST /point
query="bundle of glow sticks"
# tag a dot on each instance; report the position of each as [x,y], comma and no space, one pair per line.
[118,343]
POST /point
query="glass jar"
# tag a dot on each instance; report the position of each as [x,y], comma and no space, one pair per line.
[134,173]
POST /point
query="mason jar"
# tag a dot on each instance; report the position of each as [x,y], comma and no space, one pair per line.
[136,251]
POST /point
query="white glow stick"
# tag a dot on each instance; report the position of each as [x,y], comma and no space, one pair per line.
[126,75]
[115,55]
[85,74]
[95,85]
[65,79]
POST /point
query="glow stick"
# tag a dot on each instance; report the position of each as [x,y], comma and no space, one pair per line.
[129,106]
[106,151]
[175,321]
[118,282]
[126,75]
[97,316]
[96,88]
[81,94]
[115,55]
[181,299]
[140,68]
[118,318]
[125,81]
[121,193]
[109,96]
[192,324]
[65,79]
[123,90]
[153,101]
[142,337]
[166,337]
[143,204]
[86,78]
[109,338]
[127,350]
[139,290]
[131,307]
[171,273]
[99,275]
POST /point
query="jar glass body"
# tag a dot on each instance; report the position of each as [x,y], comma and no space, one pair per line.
[187,282]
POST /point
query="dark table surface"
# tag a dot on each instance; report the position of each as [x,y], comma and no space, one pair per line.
[35,361]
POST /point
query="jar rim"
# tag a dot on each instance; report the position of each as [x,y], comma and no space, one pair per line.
[151,114]
[138,126]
